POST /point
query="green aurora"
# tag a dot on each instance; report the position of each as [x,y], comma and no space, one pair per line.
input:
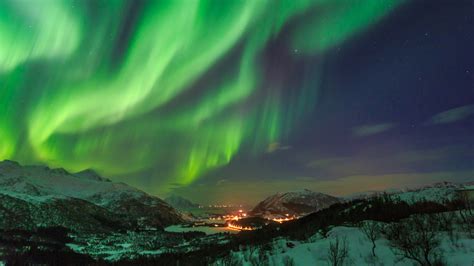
[176,87]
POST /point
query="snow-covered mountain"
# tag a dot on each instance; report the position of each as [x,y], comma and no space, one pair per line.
[180,203]
[436,192]
[293,203]
[33,196]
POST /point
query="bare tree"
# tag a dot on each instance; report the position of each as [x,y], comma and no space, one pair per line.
[338,252]
[416,238]
[262,258]
[252,249]
[231,260]
[466,214]
[324,231]
[288,261]
[446,221]
[371,230]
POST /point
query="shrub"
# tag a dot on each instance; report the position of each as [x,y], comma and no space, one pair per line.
[416,238]
[338,252]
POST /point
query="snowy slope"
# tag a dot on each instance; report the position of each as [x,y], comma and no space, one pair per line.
[294,203]
[37,181]
[437,192]
[39,186]
[180,203]
[314,251]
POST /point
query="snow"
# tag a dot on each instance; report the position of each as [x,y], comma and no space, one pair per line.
[430,194]
[206,229]
[30,198]
[314,251]
[44,189]
[280,203]
[437,192]
[151,252]
[74,247]
[39,184]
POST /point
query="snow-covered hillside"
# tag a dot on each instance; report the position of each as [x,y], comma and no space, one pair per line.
[437,192]
[39,189]
[293,203]
[314,251]
[180,203]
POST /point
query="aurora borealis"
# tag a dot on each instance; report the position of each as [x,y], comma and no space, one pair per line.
[165,94]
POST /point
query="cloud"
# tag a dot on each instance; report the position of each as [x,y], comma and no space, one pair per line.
[367,130]
[220,182]
[452,115]
[383,161]
[276,146]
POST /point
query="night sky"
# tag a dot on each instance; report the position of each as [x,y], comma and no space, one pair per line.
[230,101]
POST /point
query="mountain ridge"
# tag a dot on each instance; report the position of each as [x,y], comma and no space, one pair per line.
[180,203]
[296,203]
[42,195]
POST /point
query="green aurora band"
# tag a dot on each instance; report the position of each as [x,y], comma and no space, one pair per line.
[175,87]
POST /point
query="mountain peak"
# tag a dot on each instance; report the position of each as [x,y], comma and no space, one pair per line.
[297,202]
[8,165]
[41,190]
[90,175]
[180,202]
[9,162]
